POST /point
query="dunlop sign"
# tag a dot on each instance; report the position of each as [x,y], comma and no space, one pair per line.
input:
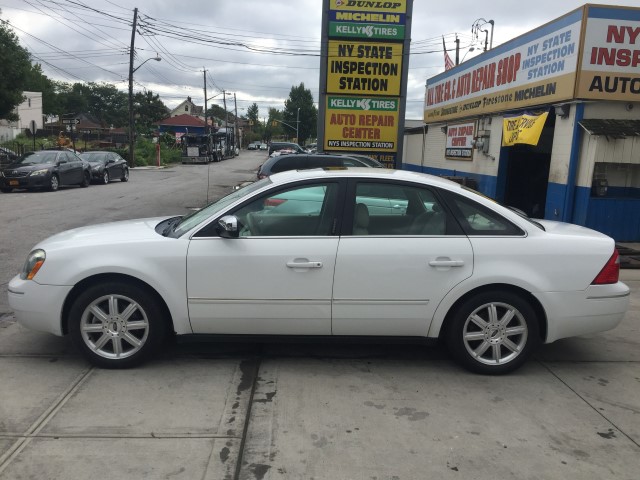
[364,68]
[367,20]
[361,124]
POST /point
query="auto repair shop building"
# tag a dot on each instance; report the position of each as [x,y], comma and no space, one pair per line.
[547,122]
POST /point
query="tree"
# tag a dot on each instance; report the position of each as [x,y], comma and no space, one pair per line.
[16,63]
[274,125]
[39,82]
[149,110]
[256,128]
[301,98]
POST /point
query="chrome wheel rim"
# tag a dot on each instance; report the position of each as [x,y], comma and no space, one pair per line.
[54,183]
[495,333]
[126,174]
[114,326]
[105,177]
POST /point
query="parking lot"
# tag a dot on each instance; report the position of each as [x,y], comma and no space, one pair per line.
[248,410]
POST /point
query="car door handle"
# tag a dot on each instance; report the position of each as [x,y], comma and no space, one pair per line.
[446,263]
[295,264]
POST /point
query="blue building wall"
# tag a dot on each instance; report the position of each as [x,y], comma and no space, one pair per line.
[486,183]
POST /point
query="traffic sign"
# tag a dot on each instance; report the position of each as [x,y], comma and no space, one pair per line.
[70,121]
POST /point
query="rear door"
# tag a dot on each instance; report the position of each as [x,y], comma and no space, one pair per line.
[391,276]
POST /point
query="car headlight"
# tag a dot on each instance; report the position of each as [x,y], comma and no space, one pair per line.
[35,260]
[44,171]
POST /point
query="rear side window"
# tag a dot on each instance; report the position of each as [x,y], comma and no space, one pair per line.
[476,219]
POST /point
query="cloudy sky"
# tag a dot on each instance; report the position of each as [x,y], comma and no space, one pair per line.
[257,49]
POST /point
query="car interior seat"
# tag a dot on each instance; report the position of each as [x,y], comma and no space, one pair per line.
[429,223]
[361,220]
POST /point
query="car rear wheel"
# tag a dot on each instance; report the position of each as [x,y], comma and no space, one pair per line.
[54,183]
[125,175]
[86,179]
[117,325]
[493,332]
[105,177]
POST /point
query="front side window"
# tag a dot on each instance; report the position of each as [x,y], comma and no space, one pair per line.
[397,209]
[307,210]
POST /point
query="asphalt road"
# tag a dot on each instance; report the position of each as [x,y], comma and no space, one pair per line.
[248,410]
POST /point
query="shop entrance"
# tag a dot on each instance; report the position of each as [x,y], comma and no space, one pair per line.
[527,173]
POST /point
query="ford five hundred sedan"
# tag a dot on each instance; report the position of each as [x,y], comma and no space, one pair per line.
[343,253]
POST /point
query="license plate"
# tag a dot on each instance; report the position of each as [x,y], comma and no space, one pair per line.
[14,182]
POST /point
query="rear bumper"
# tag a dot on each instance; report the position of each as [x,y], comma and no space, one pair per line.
[597,309]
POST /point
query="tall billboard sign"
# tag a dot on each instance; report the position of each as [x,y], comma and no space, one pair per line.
[591,53]
[363,85]
[610,68]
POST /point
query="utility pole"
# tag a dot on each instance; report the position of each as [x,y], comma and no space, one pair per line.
[131,118]
[206,125]
[226,122]
[236,129]
[457,50]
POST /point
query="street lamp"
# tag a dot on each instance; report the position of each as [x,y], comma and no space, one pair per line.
[131,129]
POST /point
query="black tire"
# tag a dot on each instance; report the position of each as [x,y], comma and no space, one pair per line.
[6,190]
[136,337]
[493,332]
[54,183]
[86,179]
[104,179]
[125,175]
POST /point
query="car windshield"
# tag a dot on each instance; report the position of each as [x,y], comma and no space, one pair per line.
[189,221]
[94,157]
[35,158]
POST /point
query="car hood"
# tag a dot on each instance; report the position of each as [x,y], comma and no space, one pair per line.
[27,168]
[94,164]
[114,233]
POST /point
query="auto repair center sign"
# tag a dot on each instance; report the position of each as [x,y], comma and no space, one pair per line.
[364,75]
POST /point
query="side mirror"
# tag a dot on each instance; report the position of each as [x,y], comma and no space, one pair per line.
[228,227]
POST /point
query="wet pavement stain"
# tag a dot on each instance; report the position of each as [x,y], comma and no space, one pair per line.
[411,413]
[371,404]
[259,470]
[248,369]
[609,435]
[269,398]
[224,454]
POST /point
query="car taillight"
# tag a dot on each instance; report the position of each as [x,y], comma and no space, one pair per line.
[610,273]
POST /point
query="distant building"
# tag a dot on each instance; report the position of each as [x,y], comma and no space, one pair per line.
[30,109]
[187,107]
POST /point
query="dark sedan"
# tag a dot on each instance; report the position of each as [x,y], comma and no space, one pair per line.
[45,169]
[106,166]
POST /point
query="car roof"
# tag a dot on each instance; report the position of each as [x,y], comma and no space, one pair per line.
[361,172]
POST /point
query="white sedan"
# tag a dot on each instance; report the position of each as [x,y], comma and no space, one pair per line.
[313,253]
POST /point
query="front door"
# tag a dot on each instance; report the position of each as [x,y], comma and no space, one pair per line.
[277,277]
[399,262]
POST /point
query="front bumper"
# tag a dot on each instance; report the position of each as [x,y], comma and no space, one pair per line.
[37,181]
[38,307]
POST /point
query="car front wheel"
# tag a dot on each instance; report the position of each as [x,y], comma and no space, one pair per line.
[117,325]
[105,177]
[86,179]
[493,332]
[125,175]
[54,183]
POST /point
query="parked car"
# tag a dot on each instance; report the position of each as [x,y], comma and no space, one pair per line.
[263,146]
[106,166]
[453,265]
[304,161]
[253,146]
[7,156]
[371,162]
[45,169]
[278,146]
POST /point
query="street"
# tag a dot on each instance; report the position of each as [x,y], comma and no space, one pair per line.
[276,410]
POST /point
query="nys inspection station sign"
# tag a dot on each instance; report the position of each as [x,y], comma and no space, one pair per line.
[364,76]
